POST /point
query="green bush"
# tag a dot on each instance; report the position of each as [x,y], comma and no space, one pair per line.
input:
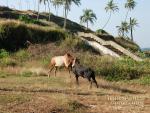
[3,53]
[8,62]
[27,19]
[22,55]
[114,69]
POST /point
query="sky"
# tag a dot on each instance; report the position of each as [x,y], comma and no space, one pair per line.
[141,33]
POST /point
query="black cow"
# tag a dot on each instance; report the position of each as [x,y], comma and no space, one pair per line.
[84,72]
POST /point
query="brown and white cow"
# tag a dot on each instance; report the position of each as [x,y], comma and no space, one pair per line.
[61,61]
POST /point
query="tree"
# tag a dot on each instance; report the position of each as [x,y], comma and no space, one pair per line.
[67,5]
[49,10]
[132,25]
[39,1]
[110,7]
[57,4]
[129,5]
[88,16]
[123,28]
[7,3]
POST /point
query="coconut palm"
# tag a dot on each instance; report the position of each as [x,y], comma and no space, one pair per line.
[7,3]
[88,16]
[111,7]
[123,28]
[49,1]
[39,1]
[67,4]
[133,24]
[57,4]
[129,5]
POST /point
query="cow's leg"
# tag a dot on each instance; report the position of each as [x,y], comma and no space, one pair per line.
[94,80]
[69,69]
[90,82]
[50,71]
[55,70]
[77,81]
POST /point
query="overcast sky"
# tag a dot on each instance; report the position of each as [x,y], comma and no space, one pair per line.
[141,13]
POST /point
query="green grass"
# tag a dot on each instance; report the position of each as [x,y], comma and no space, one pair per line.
[14,34]
[13,98]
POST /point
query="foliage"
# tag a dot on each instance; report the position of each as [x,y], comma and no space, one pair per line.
[88,16]
[27,19]
[125,69]
[75,44]
[14,35]
[127,43]
[7,61]
[26,74]
[101,31]
[3,53]
[123,28]
[111,7]
[22,55]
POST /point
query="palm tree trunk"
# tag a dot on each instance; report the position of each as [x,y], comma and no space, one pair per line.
[49,17]
[57,10]
[38,9]
[123,34]
[126,15]
[34,5]
[87,25]
[7,3]
[45,7]
[65,21]
[131,31]
[20,5]
[107,21]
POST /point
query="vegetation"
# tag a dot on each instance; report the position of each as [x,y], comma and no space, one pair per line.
[14,34]
[123,29]
[67,5]
[129,5]
[133,24]
[88,16]
[111,7]
[27,19]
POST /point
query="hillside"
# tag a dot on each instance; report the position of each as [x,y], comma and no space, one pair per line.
[29,17]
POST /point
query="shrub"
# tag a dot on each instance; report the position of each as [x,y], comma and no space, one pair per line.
[3,53]
[8,62]
[114,69]
[22,55]
[27,19]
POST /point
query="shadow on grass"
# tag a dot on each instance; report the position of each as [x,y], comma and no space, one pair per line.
[119,89]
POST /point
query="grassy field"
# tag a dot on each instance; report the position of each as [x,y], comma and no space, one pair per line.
[26,93]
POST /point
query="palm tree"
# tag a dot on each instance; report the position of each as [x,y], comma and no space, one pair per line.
[39,1]
[57,4]
[49,16]
[88,16]
[34,2]
[123,28]
[20,5]
[129,5]
[111,7]
[67,5]
[133,24]
[7,3]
